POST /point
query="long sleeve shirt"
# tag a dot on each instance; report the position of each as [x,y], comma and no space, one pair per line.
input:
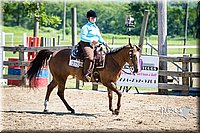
[90,32]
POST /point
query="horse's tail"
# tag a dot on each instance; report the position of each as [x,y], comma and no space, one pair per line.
[37,63]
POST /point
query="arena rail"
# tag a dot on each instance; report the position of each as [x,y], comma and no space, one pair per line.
[21,62]
[185,73]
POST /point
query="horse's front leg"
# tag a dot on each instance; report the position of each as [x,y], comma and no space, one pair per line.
[113,87]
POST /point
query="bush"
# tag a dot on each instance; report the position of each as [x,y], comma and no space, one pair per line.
[67,30]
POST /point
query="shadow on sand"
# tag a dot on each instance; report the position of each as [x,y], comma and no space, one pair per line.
[51,113]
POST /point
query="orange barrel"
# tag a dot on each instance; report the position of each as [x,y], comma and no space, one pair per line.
[13,70]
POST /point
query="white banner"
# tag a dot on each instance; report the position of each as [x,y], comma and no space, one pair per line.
[146,78]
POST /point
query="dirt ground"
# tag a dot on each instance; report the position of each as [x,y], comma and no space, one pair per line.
[22,110]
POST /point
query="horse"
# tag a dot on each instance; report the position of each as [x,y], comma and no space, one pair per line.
[58,62]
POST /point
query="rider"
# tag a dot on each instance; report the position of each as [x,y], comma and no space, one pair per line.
[90,36]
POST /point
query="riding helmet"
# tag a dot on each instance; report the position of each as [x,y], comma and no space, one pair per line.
[91,13]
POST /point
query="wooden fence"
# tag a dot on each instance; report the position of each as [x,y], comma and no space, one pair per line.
[185,73]
[22,63]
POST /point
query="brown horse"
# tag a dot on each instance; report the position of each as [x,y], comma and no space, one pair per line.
[60,70]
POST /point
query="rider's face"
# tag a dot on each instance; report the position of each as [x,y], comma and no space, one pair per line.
[92,20]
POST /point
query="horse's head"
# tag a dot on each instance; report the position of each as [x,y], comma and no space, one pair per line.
[134,61]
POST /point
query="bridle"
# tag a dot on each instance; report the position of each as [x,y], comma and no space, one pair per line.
[132,61]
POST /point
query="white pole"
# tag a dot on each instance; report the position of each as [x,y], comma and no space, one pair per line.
[12,39]
[64,19]
[25,45]
[3,43]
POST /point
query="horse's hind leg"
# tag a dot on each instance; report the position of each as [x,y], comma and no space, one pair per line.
[50,87]
[110,97]
[61,88]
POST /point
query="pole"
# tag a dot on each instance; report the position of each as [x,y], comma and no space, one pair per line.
[74,26]
[162,40]
[185,26]
[143,29]
[36,23]
[64,19]
[74,34]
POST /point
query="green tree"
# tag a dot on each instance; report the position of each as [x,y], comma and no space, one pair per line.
[38,10]
[13,14]
[175,21]
[136,9]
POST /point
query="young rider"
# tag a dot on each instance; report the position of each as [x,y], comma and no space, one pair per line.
[90,36]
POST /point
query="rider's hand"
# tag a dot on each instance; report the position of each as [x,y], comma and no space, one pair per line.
[105,43]
[94,42]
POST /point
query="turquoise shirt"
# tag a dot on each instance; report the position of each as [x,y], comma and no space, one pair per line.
[90,32]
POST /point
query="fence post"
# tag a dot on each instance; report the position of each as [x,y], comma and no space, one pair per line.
[1,62]
[94,86]
[162,40]
[113,40]
[74,34]
[185,80]
[143,29]
[58,41]
[191,81]
[22,68]
[3,42]
[147,40]
[54,42]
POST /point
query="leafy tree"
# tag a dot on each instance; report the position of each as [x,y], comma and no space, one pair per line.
[38,10]
[136,9]
[111,15]
[10,11]
[175,21]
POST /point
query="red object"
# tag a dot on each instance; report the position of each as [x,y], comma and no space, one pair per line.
[39,82]
[32,42]
[12,71]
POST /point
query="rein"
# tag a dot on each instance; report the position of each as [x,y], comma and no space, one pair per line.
[130,55]
[107,47]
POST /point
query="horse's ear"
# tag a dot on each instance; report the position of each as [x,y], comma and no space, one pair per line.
[137,47]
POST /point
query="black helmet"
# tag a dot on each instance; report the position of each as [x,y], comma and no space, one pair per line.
[91,13]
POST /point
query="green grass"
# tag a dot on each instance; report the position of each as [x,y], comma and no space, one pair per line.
[118,39]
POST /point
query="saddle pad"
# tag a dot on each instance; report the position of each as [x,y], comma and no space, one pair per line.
[74,62]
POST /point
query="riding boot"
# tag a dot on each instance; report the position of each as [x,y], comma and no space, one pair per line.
[88,65]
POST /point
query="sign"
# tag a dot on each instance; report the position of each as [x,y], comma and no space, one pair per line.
[146,78]
[75,63]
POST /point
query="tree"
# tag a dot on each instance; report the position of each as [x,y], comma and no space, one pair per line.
[136,9]
[37,10]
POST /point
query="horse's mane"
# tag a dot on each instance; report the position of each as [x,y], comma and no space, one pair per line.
[115,50]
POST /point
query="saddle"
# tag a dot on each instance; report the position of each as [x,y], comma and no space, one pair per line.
[77,57]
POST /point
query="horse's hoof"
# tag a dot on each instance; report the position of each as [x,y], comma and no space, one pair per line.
[72,111]
[116,112]
[46,111]
[113,112]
